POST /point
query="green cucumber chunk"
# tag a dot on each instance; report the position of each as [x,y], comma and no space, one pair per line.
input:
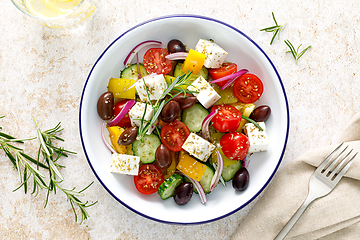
[146,148]
[205,180]
[178,72]
[167,188]
[193,117]
[229,171]
[131,72]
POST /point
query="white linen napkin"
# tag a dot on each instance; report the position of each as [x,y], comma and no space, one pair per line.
[335,216]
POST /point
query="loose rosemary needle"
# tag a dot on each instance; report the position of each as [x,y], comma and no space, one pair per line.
[295,52]
[276,29]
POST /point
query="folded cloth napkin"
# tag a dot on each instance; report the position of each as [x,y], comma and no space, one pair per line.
[335,216]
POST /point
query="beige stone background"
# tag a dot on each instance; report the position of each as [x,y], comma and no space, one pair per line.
[43,71]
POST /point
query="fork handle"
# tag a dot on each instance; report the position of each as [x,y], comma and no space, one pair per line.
[289,225]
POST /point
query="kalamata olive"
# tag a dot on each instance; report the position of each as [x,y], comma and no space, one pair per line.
[175,45]
[261,113]
[183,193]
[241,179]
[163,157]
[128,136]
[105,105]
[185,102]
[170,112]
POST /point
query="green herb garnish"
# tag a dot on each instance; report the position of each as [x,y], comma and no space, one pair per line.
[295,52]
[160,103]
[253,122]
[47,157]
[276,29]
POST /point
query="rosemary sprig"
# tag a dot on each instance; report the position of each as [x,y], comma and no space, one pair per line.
[51,154]
[29,168]
[295,52]
[276,29]
[160,103]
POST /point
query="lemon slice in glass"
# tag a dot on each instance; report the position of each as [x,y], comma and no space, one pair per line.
[50,8]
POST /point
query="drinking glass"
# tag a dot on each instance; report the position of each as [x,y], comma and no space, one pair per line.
[57,13]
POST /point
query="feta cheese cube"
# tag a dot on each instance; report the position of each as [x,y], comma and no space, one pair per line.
[214,54]
[124,164]
[136,114]
[198,147]
[155,85]
[259,140]
[207,95]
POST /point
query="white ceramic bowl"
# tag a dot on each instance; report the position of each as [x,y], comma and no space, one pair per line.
[223,201]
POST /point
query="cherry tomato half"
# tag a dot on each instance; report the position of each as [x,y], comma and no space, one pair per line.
[227,119]
[226,69]
[174,134]
[149,179]
[155,61]
[125,121]
[248,88]
[235,145]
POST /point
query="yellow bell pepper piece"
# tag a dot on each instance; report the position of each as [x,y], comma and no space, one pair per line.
[119,87]
[190,166]
[115,133]
[245,109]
[193,62]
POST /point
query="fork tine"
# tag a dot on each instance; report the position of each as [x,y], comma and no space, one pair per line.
[328,169]
[345,168]
[328,158]
[339,165]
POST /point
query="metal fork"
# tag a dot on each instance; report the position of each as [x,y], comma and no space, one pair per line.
[322,182]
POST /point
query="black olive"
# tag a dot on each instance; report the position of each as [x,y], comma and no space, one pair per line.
[241,179]
[175,45]
[183,193]
[105,105]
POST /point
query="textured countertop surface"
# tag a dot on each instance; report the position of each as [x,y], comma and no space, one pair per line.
[43,71]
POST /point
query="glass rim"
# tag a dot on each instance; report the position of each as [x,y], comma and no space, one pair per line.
[45,19]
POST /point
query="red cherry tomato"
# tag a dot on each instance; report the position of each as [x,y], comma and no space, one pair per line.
[155,61]
[235,145]
[174,134]
[248,88]
[226,69]
[149,179]
[227,119]
[125,121]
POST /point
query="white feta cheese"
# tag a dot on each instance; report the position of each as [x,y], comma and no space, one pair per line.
[214,54]
[259,140]
[155,85]
[124,164]
[207,95]
[136,114]
[198,147]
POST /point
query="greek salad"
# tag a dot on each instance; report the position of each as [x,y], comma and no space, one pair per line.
[182,120]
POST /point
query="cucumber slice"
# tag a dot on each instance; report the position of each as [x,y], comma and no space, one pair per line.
[203,72]
[194,117]
[205,181]
[167,188]
[229,171]
[146,148]
[131,72]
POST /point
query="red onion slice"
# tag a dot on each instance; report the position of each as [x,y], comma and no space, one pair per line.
[177,56]
[205,124]
[234,75]
[128,105]
[199,188]
[107,144]
[218,172]
[228,83]
[137,48]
